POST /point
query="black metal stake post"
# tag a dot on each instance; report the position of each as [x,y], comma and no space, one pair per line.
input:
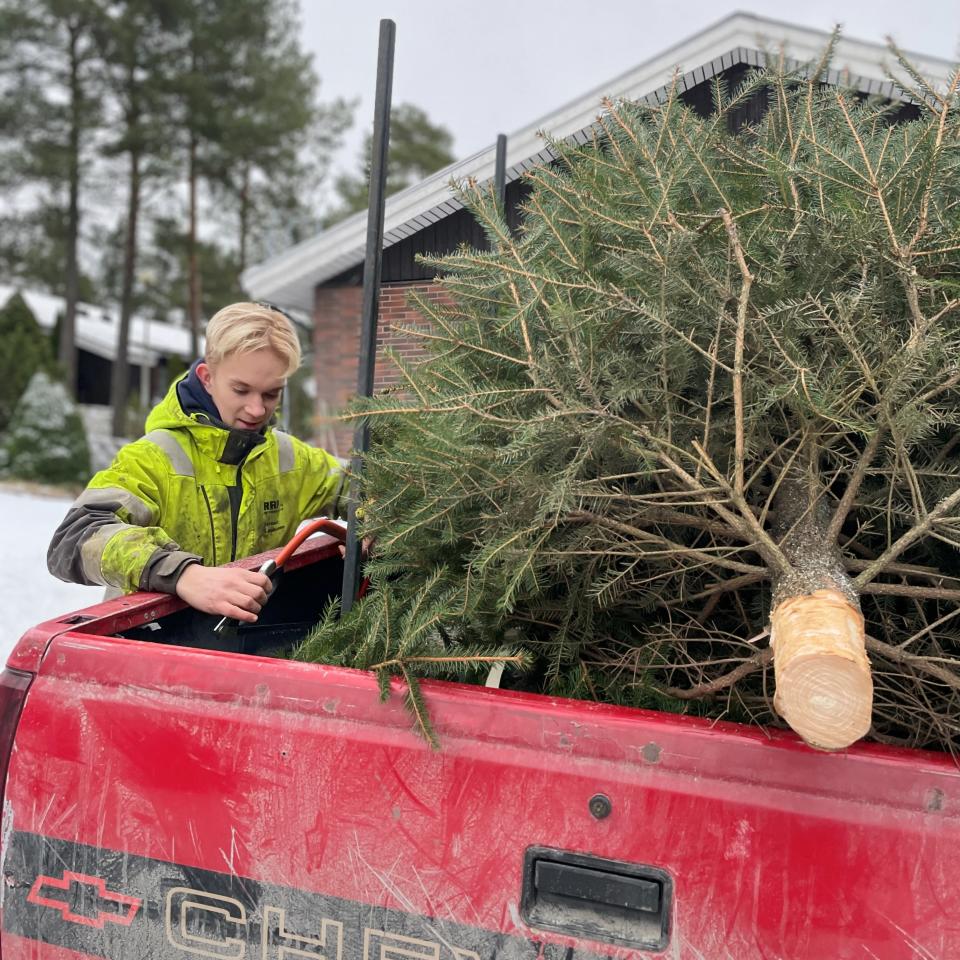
[371,296]
[500,173]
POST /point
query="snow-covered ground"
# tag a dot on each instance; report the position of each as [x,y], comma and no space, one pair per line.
[28,593]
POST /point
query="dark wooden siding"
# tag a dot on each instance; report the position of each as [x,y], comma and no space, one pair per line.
[400,259]
[93,378]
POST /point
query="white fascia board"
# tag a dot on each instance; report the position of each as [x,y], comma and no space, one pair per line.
[289,279]
[96,330]
[148,340]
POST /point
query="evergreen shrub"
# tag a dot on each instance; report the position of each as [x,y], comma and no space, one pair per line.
[26,349]
[45,440]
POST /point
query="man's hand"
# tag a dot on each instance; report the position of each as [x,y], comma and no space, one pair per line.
[229,591]
[365,548]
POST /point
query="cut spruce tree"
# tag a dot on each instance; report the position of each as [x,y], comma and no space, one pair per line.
[691,439]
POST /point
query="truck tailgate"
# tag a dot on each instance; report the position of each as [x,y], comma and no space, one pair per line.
[166,803]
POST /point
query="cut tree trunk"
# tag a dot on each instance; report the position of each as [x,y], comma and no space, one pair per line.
[824,688]
[824,685]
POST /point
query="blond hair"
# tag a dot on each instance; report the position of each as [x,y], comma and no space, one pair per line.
[245,327]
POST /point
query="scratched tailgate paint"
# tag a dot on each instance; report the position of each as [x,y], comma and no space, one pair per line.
[173,803]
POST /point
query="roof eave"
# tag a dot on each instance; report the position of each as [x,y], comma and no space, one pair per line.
[290,278]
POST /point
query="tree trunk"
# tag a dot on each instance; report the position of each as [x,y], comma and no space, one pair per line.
[193,269]
[120,382]
[824,689]
[244,217]
[67,347]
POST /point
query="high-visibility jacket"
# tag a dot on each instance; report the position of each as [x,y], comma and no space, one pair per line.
[190,491]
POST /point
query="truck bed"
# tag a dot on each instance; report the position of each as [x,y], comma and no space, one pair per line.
[166,801]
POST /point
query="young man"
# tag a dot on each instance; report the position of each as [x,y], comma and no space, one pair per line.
[210,482]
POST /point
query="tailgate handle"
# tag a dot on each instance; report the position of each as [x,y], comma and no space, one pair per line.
[599,887]
[608,900]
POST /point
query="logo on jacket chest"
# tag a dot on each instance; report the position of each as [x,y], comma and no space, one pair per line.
[273,519]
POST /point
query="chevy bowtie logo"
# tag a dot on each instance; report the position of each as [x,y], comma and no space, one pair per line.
[83,899]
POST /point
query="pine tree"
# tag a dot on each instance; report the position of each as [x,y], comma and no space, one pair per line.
[245,93]
[212,37]
[277,139]
[711,387]
[418,147]
[166,269]
[51,78]
[135,41]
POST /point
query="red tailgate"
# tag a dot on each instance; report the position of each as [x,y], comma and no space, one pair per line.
[168,803]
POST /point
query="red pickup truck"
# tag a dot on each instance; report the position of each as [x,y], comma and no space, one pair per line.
[170,793]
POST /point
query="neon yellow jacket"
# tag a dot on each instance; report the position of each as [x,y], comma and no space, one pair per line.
[191,491]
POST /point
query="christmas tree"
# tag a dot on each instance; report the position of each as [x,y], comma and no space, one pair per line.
[690,440]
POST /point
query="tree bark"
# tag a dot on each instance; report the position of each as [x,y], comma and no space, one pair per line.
[244,216]
[67,347]
[120,381]
[193,269]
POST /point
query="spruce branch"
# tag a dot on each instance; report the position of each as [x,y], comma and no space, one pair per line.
[924,664]
[462,344]
[571,259]
[418,708]
[635,307]
[907,539]
[724,586]
[516,660]
[751,664]
[746,521]
[743,304]
[907,274]
[946,104]
[925,93]
[843,508]
[671,547]
[908,590]
[711,378]
[929,628]
[947,384]
[901,569]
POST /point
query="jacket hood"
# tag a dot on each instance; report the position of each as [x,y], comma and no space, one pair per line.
[188,406]
[194,398]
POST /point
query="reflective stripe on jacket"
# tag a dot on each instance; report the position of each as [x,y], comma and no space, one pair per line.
[169,499]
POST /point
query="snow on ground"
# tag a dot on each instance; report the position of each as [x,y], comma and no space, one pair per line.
[28,593]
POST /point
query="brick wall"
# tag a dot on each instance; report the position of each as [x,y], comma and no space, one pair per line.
[337,349]
[396,317]
[336,344]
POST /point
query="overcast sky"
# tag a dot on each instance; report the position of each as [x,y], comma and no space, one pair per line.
[495,66]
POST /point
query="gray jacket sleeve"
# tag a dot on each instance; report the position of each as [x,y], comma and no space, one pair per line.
[76,550]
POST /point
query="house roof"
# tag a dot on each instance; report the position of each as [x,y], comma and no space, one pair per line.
[97,329]
[289,278]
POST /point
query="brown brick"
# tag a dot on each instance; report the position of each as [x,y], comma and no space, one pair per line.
[336,338]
